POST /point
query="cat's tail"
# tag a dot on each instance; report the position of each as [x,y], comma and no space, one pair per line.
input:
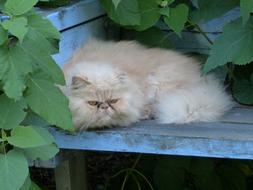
[203,101]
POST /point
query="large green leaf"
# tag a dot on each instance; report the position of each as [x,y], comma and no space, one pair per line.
[28,137]
[34,120]
[41,57]
[243,90]
[246,9]
[19,7]
[14,66]
[235,45]
[13,170]
[3,35]
[52,105]
[17,27]
[30,185]
[42,25]
[34,186]
[127,12]
[43,152]
[177,19]
[210,9]
[149,11]
[11,112]
[27,184]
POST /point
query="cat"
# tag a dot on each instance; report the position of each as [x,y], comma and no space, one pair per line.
[119,83]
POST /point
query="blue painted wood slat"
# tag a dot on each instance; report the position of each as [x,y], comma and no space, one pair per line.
[228,138]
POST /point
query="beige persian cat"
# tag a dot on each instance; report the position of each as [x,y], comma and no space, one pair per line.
[118,83]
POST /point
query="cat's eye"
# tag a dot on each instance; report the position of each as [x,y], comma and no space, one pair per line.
[93,103]
[113,101]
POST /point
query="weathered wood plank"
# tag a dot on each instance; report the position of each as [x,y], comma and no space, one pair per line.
[77,36]
[217,139]
[191,42]
[77,12]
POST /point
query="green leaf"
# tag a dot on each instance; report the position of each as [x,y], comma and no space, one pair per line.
[42,25]
[116,3]
[165,11]
[154,37]
[210,9]
[11,112]
[246,9]
[177,19]
[43,152]
[3,35]
[13,170]
[149,11]
[19,7]
[52,105]
[126,14]
[27,184]
[235,45]
[14,66]
[243,90]
[2,2]
[17,27]
[34,120]
[28,137]
[34,186]
[41,57]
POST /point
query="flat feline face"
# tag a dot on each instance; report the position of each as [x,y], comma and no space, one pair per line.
[99,103]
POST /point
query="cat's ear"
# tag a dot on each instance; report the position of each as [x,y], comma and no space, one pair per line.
[79,82]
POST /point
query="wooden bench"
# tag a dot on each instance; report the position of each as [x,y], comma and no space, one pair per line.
[231,137]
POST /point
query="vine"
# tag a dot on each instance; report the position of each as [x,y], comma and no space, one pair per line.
[29,97]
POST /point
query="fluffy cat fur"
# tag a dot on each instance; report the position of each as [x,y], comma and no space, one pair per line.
[118,83]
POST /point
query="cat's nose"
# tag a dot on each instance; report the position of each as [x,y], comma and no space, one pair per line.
[104,106]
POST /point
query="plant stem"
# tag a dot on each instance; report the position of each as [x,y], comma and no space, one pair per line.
[3,143]
[199,29]
[203,33]
[129,172]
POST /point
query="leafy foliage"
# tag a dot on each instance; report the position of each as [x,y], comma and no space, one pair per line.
[28,75]
[246,9]
[177,18]
[234,46]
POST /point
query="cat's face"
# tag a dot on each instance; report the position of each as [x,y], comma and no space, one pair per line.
[102,101]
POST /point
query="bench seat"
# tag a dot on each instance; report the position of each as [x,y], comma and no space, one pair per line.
[231,137]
